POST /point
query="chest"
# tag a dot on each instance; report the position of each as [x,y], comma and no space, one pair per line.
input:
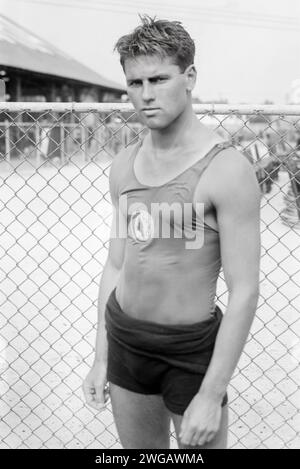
[155,174]
[176,179]
[175,195]
[152,172]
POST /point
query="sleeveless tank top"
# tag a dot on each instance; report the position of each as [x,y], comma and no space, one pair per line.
[172,257]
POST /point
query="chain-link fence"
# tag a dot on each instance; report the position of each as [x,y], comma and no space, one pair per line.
[55,215]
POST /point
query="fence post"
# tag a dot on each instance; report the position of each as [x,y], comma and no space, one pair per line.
[7,140]
[37,146]
[83,142]
[62,147]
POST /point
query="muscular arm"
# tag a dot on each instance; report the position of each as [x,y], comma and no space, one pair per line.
[236,198]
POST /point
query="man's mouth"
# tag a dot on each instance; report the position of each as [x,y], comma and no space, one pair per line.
[149,110]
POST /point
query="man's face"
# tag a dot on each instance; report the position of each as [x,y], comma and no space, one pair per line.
[157,89]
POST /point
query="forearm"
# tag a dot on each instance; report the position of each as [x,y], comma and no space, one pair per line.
[231,338]
[108,282]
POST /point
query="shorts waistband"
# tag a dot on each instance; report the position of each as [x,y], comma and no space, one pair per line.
[147,335]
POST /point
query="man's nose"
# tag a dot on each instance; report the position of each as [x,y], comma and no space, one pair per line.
[147,93]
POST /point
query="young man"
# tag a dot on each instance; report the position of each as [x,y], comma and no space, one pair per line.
[162,343]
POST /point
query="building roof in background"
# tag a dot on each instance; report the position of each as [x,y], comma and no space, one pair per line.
[20,48]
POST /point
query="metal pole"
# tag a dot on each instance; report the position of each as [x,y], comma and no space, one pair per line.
[7,140]
[83,142]
[37,146]
[62,134]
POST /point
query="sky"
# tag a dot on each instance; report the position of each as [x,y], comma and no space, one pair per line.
[246,51]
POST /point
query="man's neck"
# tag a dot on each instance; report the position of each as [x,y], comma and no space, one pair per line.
[170,143]
[176,135]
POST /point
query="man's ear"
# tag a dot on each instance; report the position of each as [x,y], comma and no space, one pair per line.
[191,76]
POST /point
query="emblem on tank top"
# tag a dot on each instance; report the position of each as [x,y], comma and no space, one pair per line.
[166,221]
[141,226]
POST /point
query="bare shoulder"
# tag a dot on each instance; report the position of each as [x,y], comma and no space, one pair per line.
[232,161]
[230,177]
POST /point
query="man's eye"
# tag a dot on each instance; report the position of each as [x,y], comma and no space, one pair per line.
[135,83]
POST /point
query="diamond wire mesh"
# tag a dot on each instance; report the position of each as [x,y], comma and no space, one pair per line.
[55,217]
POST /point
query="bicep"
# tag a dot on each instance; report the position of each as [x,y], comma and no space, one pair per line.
[238,213]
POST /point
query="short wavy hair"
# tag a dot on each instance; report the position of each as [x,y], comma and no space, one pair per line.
[158,37]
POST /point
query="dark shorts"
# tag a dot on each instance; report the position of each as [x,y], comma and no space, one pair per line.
[152,358]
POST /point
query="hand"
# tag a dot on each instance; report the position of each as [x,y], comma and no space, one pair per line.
[95,387]
[201,420]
